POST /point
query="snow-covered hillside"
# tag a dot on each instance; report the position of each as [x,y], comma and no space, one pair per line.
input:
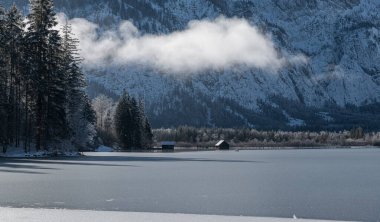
[340,39]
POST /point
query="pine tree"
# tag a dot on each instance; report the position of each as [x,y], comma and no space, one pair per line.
[136,124]
[132,127]
[46,75]
[124,122]
[84,128]
[14,46]
[88,112]
[41,83]
[77,100]
[145,128]
[56,127]
[11,26]
[148,134]
[2,36]
[2,20]
[74,75]
[3,98]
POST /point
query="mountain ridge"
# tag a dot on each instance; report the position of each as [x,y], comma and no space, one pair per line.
[341,40]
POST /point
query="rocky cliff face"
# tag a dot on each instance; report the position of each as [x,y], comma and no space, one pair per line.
[340,38]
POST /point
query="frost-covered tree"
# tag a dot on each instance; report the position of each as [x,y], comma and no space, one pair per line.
[102,105]
[104,108]
[74,75]
[81,117]
[84,130]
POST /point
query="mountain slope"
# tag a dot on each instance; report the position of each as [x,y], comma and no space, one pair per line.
[340,38]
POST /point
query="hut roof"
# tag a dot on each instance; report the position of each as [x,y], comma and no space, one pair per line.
[168,143]
[220,143]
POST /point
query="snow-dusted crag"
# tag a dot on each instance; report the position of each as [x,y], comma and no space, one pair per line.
[340,39]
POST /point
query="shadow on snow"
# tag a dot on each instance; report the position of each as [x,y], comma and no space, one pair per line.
[30,165]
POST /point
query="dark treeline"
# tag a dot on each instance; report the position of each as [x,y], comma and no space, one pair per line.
[122,124]
[207,137]
[42,100]
[131,125]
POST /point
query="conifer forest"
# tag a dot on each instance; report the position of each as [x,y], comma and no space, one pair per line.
[43,103]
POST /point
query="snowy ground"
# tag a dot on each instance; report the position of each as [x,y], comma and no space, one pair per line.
[48,215]
[104,149]
[20,153]
[331,184]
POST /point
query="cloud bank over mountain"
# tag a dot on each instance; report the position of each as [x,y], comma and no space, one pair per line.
[216,44]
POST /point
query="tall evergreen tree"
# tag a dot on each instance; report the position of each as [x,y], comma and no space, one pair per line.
[46,74]
[56,126]
[14,46]
[11,36]
[131,125]
[136,124]
[79,111]
[41,83]
[3,98]
[74,75]
[148,134]
[124,122]
[84,130]
[145,128]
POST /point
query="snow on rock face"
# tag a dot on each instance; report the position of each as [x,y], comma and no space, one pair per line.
[340,39]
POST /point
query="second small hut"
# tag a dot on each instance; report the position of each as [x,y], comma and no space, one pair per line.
[222,145]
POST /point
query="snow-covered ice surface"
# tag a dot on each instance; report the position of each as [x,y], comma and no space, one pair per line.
[49,215]
[335,184]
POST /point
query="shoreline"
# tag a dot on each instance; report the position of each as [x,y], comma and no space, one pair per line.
[280,148]
[35,155]
[195,149]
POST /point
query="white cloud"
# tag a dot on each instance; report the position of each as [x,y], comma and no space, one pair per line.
[207,44]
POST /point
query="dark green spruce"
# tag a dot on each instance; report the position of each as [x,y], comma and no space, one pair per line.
[131,125]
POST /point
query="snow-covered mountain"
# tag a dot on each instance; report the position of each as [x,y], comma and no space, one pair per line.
[339,86]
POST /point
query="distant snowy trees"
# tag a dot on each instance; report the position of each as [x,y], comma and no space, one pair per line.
[42,98]
[207,137]
[105,110]
[123,122]
[104,107]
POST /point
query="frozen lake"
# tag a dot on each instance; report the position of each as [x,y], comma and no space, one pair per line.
[318,184]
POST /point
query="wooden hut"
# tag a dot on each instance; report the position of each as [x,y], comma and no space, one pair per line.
[168,145]
[222,145]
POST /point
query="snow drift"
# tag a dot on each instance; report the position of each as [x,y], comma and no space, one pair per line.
[47,215]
